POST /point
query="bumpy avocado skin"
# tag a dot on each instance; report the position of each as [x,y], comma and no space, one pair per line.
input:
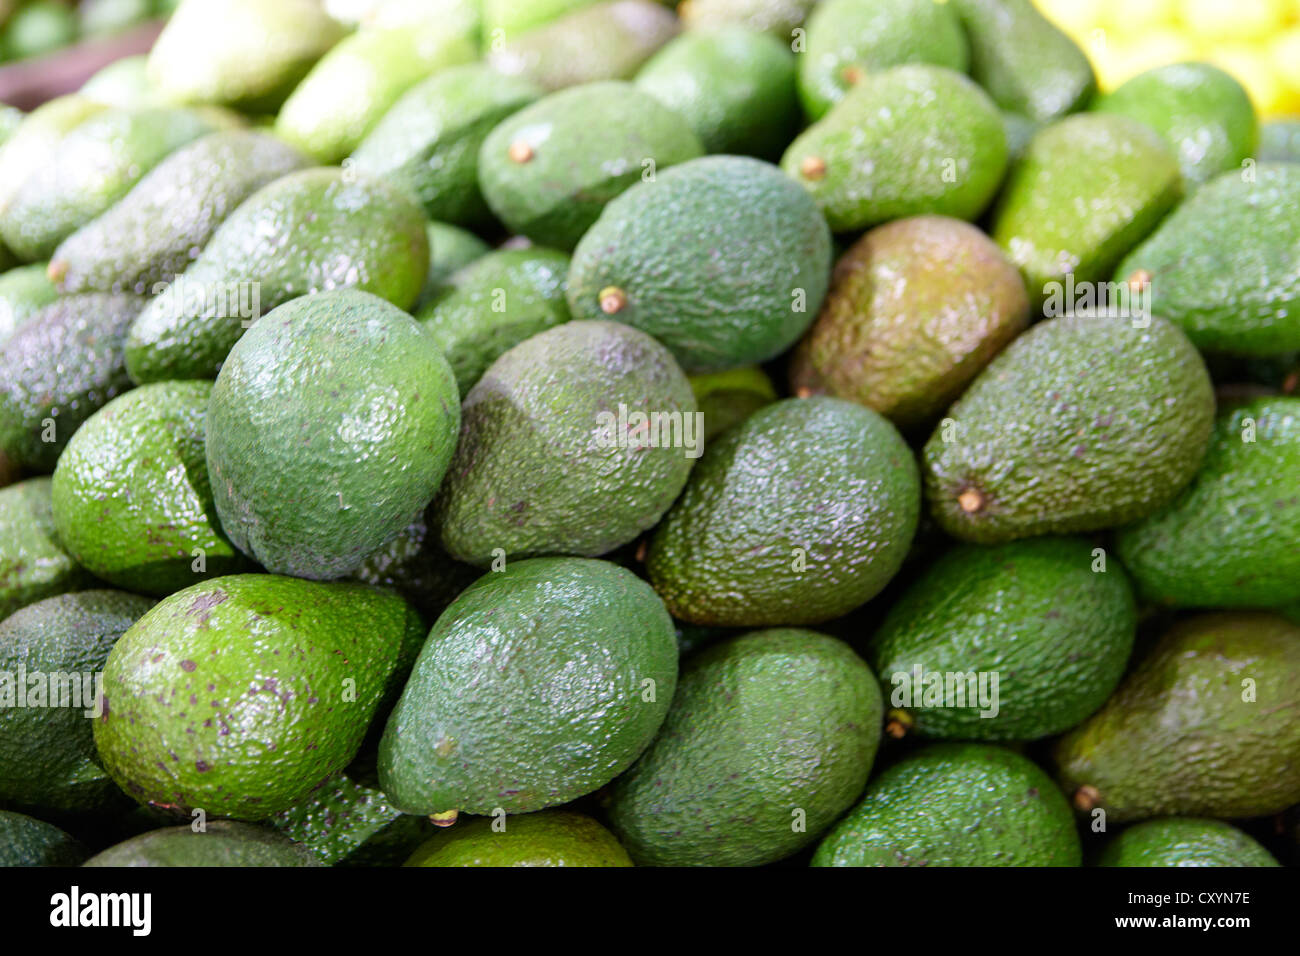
[1184,841]
[748,545]
[957,804]
[349,823]
[541,683]
[1205,726]
[549,838]
[34,564]
[222,843]
[1082,423]
[766,729]
[26,841]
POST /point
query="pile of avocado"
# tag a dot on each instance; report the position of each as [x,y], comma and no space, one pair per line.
[593,433]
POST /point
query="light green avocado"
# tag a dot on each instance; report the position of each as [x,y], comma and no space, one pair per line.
[221,843]
[34,564]
[549,838]
[1184,841]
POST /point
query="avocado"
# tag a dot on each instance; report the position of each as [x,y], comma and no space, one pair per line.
[956,804]
[548,170]
[26,841]
[573,442]
[132,502]
[777,17]
[123,84]
[91,168]
[187,679]
[902,142]
[1028,65]
[570,657]
[916,308]
[33,144]
[1205,726]
[1279,141]
[220,843]
[339,102]
[429,141]
[848,39]
[609,40]
[493,304]
[328,431]
[313,230]
[1082,423]
[51,656]
[1201,111]
[549,838]
[697,259]
[451,248]
[1087,190]
[34,564]
[749,544]
[247,54]
[1229,540]
[728,398]
[771,737]
[153,233]
[1223,265]
[1038,616]
[38,27]
[1184,841]
[1020,132]
[65,363]
[24,291]
[347,823]
[512,17]
[735,87]
[105,18]
[415,566]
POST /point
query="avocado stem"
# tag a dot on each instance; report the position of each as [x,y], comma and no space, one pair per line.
[898,723]
[1086,797]
[971,500]
[812,167]
[612,300]
[444,819]
[520,152]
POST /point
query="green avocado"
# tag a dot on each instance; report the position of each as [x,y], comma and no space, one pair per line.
[220,843]
[1084,422]
[956,804]
[573,442]
[310,231]
[728,398]
[451,248]
[1279,141]
[1184,841]
[549,838]
[24,291]
[415,566]
[749,544]
[771,737]
[723,259]
[26,841]
[777,17]
[32,146]
[34,564]
[123,84]
[1207,725]
[329,430]
[291,671]
[570,657]
[513,17]
[348,823]
[38,27]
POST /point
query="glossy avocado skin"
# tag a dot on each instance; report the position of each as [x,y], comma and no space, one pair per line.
[63,365]
[1184,841]
[26,841]
[671,249]
[1231,681]
[451,248]
[329,429]
[132,499]
[34,564]
[33,144]
[348,822]
[47,752]
[548,838]
[728,398]
[747,546]
[1036,612]
[1222,265]
[956,804]
[1247,496]
[242,694]
[310,231]
[538,473]
[222,843]
[1083,423]
[763,726]
[540,683]
[155,231]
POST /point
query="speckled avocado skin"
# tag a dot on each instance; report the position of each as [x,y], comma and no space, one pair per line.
[132,500]
[723,259]
[548,170]
[34,563]
[1205,726]
[310,231]
[348,823]
[956,805]
[1038,613]
[47,755]
[63,365]
[1184,841]
[158,228]
[222,843]
[568,657]
[1083,423]
[26,841]
[749,544]
[241,694]
[766,728]
[549,838]
[539,471]
[1223,265]
[329,430]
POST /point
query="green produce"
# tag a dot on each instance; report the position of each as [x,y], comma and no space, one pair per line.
[347,823]
[777,17]
[1279,141]
[221,843]
[770,738]
[549,838]
[450,249]
[512,17]
[38,27]
[24,291]
[329,430]
[34,564]
[415,566]
[1180,841]
[797,515]
[1084,422]
[123,84]
[728,398]
[26,841]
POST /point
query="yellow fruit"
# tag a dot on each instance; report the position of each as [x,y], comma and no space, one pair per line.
[1217,21]
[1134,18]
[1285,56]
[1267,91]
[1119,60]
